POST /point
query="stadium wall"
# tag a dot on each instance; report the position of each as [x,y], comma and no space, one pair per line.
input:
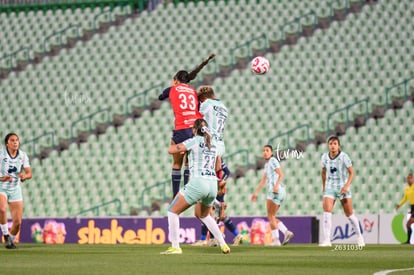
[377,229]
[150,230]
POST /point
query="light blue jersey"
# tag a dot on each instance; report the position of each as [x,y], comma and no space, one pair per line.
[336,170]
[215,114]
[271,175]
[12,166]
[202,161]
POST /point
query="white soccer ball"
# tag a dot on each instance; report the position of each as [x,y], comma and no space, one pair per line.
[260,65]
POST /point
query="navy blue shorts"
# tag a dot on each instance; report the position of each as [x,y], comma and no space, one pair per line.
[178,136]
[220,198]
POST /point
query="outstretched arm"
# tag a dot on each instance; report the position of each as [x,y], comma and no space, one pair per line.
[165,94]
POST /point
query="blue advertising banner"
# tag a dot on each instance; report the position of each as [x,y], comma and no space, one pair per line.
[151,230]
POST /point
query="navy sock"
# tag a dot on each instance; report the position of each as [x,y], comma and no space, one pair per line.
[176,180]
[226,170]
[186,174]
[230,226]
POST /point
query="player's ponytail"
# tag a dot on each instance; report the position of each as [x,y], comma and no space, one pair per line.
[201,127]
[207,136]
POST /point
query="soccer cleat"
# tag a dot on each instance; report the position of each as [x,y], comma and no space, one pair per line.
[325,244]
[213,242]
[9,243]
[288,236]
[361,242]
[238,239]
[172,250]
[225,249]
[200,243]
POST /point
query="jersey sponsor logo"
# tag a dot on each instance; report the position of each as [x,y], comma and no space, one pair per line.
[183,89]
[333,170]
[12,169]
[208,173]
[189,121]
[220,111]
[189,113]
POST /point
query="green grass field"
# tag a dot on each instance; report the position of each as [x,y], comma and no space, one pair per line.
[244,259]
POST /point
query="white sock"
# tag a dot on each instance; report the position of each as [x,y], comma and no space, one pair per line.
[12,237]
[213,227]
[412,234]
[275,234]
[327,225]
[173,229]
[355,223]
[282,227]
[4,229]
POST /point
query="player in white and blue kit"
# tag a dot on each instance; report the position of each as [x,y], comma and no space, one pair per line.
[337,175]
[13,161]
[276,194]
[215,114]
[201,189]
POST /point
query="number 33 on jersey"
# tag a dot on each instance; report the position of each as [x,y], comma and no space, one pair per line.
[184,103]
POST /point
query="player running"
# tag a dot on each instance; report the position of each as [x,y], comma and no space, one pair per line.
[13,161]
[276,194]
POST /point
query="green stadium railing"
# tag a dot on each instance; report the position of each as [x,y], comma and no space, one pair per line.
[402,85]
[34,143]
[242,154]
[107,13]
[11,58]
[288,135]
[59,34]
[247,47]
[161,191]
[96,209]
[347,109]
[143,99]
[89,120]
